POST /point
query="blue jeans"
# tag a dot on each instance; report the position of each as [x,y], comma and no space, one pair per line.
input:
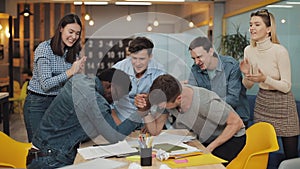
[47,162]
[34,108]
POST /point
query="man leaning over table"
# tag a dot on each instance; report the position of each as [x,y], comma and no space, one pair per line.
[217,125]
[81,111]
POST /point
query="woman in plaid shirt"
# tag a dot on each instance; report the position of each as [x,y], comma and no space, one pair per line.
[55,61]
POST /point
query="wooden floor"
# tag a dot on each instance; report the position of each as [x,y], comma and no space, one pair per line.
[17,127]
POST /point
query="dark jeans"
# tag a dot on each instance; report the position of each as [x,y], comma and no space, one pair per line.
[230,149]
[34,108]
[47,162]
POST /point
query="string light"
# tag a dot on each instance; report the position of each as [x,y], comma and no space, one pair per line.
[155,23]
[87,17]
[128,18]
[91,22]
[149,28]
[191,24]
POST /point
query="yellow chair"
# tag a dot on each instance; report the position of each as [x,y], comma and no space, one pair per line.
[13,153]
[261,140]
[19,98]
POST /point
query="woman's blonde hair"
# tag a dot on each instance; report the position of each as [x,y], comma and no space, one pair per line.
[269,20]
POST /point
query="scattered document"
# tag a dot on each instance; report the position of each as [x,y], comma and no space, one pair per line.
[119,148]
[96,164]
[165,138]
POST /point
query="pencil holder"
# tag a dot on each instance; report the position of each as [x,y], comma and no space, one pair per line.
[146,156]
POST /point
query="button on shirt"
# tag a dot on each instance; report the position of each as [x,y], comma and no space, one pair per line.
[126,106]
[49,70]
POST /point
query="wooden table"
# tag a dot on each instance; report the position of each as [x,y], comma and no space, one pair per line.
[155,163]
[4,110]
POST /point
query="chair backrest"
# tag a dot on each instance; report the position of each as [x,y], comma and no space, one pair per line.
[23,93]
[261,140]
[17,88]
[24,90]
[13,153]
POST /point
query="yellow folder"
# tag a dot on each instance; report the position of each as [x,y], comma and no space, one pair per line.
[204,159]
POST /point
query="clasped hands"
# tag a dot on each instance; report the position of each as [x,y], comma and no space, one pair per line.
[252,73]
[141,101]
[77,66]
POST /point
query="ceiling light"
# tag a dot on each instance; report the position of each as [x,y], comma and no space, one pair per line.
[191,24]
[149,28]
[293,3]
[87,17]
[26,12]
[91,22]
[128,18]
[133,3]
[279,6]
[155,23]
[96,3]
[159,0]
[90,3]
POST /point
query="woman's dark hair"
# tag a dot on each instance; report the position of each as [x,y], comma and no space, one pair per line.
[56,44]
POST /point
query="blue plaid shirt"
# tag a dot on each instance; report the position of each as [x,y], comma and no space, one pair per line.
[49,70]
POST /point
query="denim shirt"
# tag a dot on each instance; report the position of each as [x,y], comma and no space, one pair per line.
[75,115]
[227,83]
[126,106]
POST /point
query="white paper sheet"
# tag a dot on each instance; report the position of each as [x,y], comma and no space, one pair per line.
[119,148]
[165,138]
[96,164]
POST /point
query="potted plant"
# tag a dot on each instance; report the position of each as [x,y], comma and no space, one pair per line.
[234,44]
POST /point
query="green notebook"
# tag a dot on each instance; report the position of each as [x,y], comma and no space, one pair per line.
[168,147]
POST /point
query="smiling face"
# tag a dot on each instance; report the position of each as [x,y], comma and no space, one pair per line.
[70,34]
[258,29]
[140,60]
[201,57]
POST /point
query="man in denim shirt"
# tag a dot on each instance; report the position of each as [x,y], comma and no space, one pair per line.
[142,69]
[81,111]
[220,74]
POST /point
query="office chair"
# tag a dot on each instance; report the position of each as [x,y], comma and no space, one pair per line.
[290,164]
[13,153]
[19,98]
[261,140]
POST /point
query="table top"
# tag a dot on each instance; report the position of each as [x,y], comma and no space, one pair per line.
[155,163]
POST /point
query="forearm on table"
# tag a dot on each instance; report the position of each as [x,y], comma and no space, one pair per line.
[155,123]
